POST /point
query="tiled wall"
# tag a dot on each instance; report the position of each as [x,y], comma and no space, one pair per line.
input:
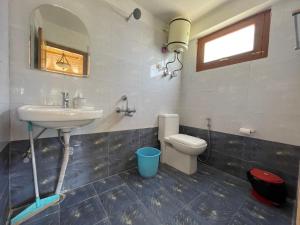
[95,156]
[237,154]
[4,111]
[261,94]
[4,75]
[4,185]
[122,54]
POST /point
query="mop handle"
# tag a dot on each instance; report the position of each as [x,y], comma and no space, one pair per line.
[36,186]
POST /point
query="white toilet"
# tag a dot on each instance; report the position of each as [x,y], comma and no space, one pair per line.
[178,150]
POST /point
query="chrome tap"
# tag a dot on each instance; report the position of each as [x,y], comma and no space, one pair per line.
[65,100]
[127,111]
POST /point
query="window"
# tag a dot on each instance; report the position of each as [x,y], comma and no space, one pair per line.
[244,41]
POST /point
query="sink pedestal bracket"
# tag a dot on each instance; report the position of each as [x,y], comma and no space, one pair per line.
[40,204]
[67,135]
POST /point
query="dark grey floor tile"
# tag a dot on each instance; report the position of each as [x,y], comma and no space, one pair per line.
[51,210]
[185,217]
[107,183]
[4,207]
[254,214]
[117,199]
[124,161]
[104,222]
[78,195]
[214,197]
[217,205]
[207,170]
[230,181]
[87,212]
[199,181]
[142,186]
[133,214]
[177,185]
[4,170]
[52,219]
[160,203]
[21,185]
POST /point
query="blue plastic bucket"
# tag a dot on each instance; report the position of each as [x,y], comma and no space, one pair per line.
[148,160]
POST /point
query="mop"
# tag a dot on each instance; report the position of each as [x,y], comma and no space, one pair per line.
[39,204]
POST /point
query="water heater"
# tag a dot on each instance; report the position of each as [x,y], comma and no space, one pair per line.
[179,33]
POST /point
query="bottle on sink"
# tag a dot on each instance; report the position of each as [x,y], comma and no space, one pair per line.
[79,102]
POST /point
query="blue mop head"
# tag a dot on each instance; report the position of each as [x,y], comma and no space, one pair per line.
[35,208]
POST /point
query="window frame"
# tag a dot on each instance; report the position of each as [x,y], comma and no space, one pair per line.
[261,42]
[83,54]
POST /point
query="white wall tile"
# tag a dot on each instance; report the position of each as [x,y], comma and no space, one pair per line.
[4,75]
[121,56]
[262,94]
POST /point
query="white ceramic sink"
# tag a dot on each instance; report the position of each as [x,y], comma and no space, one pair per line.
[56,117]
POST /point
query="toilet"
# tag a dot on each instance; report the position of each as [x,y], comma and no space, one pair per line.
[178,150]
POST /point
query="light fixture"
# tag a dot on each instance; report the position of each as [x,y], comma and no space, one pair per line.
[63,62]
[296,16]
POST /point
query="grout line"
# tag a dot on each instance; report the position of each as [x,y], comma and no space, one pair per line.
[59,209]
[106,214]
[90,183]
[141,202]
[225,173]
[237,211]
[110,189]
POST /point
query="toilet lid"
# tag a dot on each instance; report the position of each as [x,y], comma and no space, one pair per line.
[188,140]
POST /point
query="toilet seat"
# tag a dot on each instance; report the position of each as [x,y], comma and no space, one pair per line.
[187,140]
[187,144]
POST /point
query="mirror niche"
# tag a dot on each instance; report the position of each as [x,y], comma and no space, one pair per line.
[59,42]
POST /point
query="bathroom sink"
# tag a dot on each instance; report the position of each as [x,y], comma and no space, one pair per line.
[56,117]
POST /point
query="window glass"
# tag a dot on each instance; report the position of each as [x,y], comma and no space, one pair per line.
[235,43]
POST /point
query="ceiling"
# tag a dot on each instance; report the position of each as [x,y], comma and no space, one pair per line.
[168,9]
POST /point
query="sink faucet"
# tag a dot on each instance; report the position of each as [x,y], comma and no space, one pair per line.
[65,100]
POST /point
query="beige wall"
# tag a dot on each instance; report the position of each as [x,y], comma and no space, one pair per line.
[262,94]
[121,57]
[4,74]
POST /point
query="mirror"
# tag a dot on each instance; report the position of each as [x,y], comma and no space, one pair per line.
[59,42]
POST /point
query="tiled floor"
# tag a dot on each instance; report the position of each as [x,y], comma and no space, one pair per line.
[209,197]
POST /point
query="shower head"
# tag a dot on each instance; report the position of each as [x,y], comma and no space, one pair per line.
[137,13]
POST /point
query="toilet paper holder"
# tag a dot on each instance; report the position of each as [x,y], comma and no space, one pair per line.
[246,131]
